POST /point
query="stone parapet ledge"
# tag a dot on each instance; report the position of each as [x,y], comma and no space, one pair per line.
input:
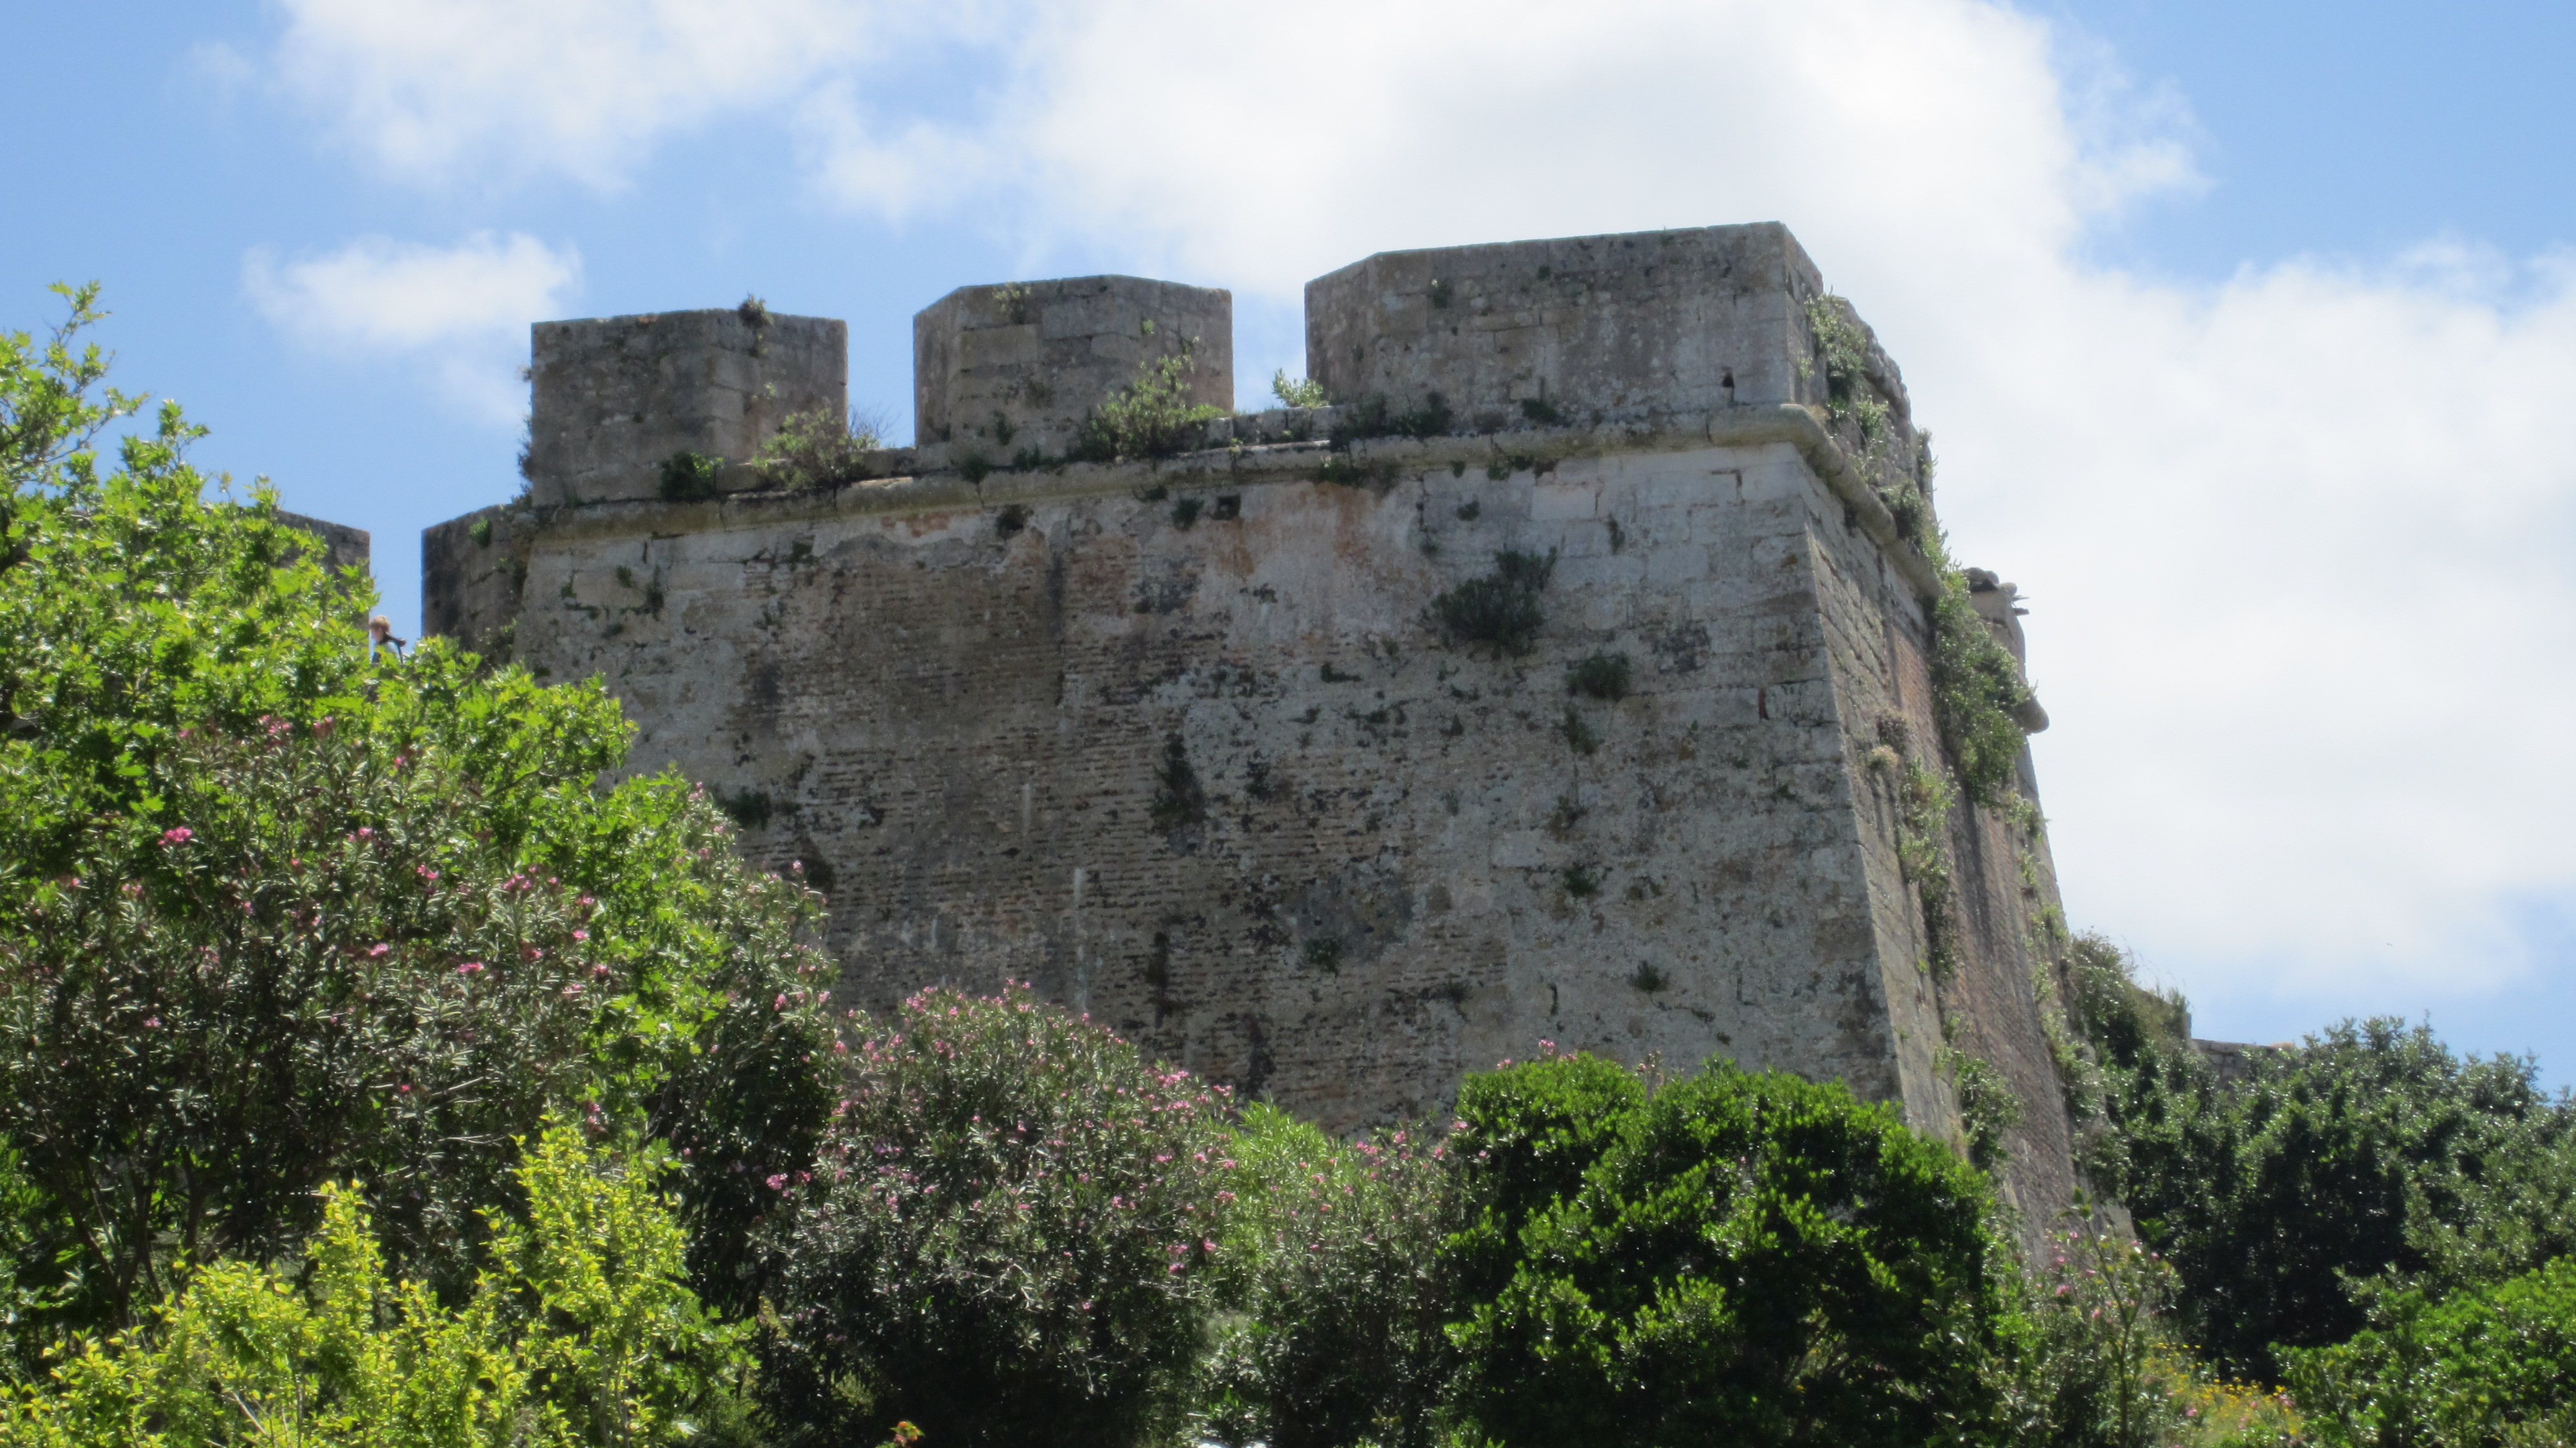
[1245,464]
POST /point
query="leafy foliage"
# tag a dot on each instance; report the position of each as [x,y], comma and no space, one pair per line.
[1736,1258]
[583,1334]
[821,449]
[690,477]
[1977,696]
[2383,1148]
[1007,1240]
[1333,1329]
[1499,609]
[273,914]
[2479,1369]
[1604,676]
[1296,391]
[2096,1351]
[2496,1365]
[1151,417]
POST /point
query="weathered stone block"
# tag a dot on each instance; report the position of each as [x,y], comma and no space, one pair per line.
[617,397]
[342,545]
[1669,321]
[1000,369]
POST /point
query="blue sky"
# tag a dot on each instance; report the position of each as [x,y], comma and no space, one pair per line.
[2248,332]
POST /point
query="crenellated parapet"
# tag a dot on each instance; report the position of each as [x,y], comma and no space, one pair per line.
[1573,670]
[1012,370]
[617,398]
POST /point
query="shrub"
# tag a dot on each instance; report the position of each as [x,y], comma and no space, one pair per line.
[1732,1258]
[1007,1240]
[583,1334]
[690,476]
[1602,676]
[1296,392]
[1499,609]
[1333,1334]
[1151,417]
[1977,696]
[377,944]
[821,449]
[242,873]
[2492,1366]
[2391,1155]
[2096,1357]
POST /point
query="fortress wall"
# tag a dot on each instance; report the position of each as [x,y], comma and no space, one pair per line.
[1689,320]
[615,397]
[963,734]
[1878,638]
[1180,743]
[998,369]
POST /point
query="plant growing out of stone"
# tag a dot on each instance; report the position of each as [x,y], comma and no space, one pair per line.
[1497,610]
[1296,391]
[689,476]
[1179,799]
[1603,676]
[1977,695]
[821,449]
[1374,416]
[1151,417]
[1988,1109]
[1578,732]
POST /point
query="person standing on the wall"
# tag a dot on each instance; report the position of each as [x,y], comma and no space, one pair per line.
[381,640]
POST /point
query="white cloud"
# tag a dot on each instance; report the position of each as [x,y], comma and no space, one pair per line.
[2298,543]
[444,91]
[462,311]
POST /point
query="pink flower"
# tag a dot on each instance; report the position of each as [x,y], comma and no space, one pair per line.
[778,1183]
[470,968]
[179,836]
[581,935]
[151,1023]
[377,950]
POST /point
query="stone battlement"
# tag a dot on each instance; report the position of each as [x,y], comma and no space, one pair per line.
[1228,744]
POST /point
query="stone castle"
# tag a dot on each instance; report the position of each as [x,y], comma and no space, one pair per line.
[1560,680]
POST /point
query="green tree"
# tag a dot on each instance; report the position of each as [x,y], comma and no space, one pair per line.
[1007,1239]
[273,913]
[2484,1368]
[584,1333]
[1733,1258]
[2370,1150]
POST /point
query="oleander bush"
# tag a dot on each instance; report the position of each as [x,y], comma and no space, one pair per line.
[1008,1237]
[1332,1305]
[274,914]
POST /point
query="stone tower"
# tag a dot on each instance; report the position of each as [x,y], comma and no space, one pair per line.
[1270,751]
